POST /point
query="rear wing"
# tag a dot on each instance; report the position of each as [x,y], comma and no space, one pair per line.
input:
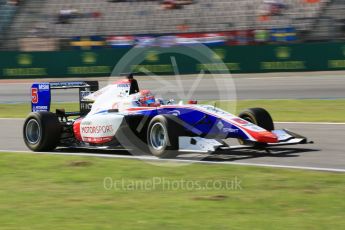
[41,94]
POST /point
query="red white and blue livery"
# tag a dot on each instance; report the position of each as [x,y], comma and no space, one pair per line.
[111,117]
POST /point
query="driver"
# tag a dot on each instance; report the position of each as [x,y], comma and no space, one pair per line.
[147,99]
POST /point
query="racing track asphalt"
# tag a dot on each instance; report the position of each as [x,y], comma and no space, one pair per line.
[326,152]
[311,85]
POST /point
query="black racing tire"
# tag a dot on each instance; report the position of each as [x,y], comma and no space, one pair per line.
[42,131]
[163,136]
[259,117]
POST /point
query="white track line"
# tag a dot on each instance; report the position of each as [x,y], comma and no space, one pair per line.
[151,158]
[309,123]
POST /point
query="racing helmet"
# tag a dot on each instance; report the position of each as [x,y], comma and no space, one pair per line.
[146,98]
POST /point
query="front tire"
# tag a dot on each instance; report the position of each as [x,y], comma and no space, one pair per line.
[259,117]
[162,136]
[42,131]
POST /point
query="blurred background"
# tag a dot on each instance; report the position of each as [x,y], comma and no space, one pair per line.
[109,28]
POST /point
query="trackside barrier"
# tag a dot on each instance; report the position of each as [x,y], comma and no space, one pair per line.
[238,59]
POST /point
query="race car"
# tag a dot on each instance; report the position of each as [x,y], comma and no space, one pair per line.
[112,118]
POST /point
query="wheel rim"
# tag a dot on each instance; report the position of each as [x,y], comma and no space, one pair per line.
[158,136]
[33,132]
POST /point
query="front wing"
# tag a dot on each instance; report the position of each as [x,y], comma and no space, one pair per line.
[192,144]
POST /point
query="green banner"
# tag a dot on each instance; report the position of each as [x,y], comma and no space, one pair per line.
[58,64]
[237,59]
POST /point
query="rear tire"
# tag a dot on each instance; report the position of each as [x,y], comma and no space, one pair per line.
[42,131]
[163,136]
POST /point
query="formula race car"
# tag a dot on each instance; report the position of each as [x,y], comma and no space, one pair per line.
[112,118]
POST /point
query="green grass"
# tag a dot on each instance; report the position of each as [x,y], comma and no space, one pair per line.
[297,110]
[21,110]
[59,192]
[281,110]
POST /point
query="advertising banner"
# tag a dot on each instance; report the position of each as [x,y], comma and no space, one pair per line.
[238,59]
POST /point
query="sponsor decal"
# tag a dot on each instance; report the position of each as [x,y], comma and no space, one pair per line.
[85,106]
[68,84]
[175,113]
[15,72]
[219,54]
[337,64]
[283,52]
[219,67]
[220,125]
[89,69]
[285,65]
[123,85]
[41,108]
[105,129]
[230,130]
[152,56]
[84,94]
[24,59]
[43,87]
[89,58]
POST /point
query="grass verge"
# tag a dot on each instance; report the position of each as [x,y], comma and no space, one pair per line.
[297,110]
[281,110]
[22,110]
[60,192]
